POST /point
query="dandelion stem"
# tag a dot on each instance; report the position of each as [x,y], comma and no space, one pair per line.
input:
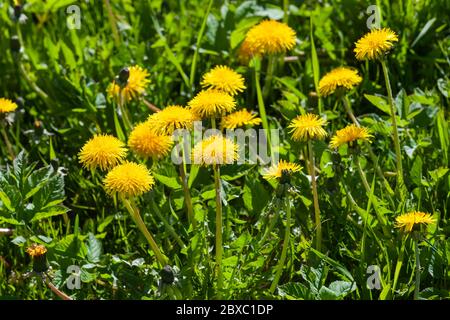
[398,267]
[186,191]
[124,112]
[219,248]
[8,143]
[197,46]
[398,154]
[55,290]
[168,226]
[151,106]
[261,106]
[287,234]
[369,193]
[417,256]
[112,22]
[134,212]
[273,221]
[372,155]
[285,11]
[269,76]
[34,86]
[312,173]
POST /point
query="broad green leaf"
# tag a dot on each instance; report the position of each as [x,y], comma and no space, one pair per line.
[94,248]
[170,182]
[379,102]
[56,211]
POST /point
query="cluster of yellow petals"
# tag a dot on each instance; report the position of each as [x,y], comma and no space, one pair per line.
[240,118]
[350,134]
[409,220]
[214,150]
[269,37]
[135,86]
[308,126]
[375,44]
[146,143]
[7,105]
[274,172]
[338,78]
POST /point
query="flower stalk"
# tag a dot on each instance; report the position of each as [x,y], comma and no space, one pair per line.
[351,115]
[261,106]
[134,212]
[186,191]
[318,223]
[398,154]
[287,233]
[416,236]
[219,247]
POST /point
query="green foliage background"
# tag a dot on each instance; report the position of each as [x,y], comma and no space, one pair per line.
[60,77]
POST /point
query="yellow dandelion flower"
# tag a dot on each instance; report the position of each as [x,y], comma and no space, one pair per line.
[135,86]
[212,103]
[7,105]
[36,250]
[410,220]
[308,126]
[215,149]
[240,118]
[128,179]
[274,171]
[338,78]
[103,151]
[270,37]
[375,43]
[350,134]
[146,143]
[224,79]
[171,118]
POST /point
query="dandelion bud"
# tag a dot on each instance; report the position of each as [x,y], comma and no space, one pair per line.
[38,253]
[167,275]
[122,78]
[17,11]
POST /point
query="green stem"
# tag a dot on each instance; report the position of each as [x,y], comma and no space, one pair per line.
[186,191]
[261,106]
[398,154]
[318,223]
[124,112]
[54,289]
[219,247]
[197,47]
[168,226]
[134,212]
[112,22]
[369,192]
[372,155]
[398,267]
[34,86]
[417,256]
[271,226]
[269,76]
[286,11]
[282,260]
[8,143]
